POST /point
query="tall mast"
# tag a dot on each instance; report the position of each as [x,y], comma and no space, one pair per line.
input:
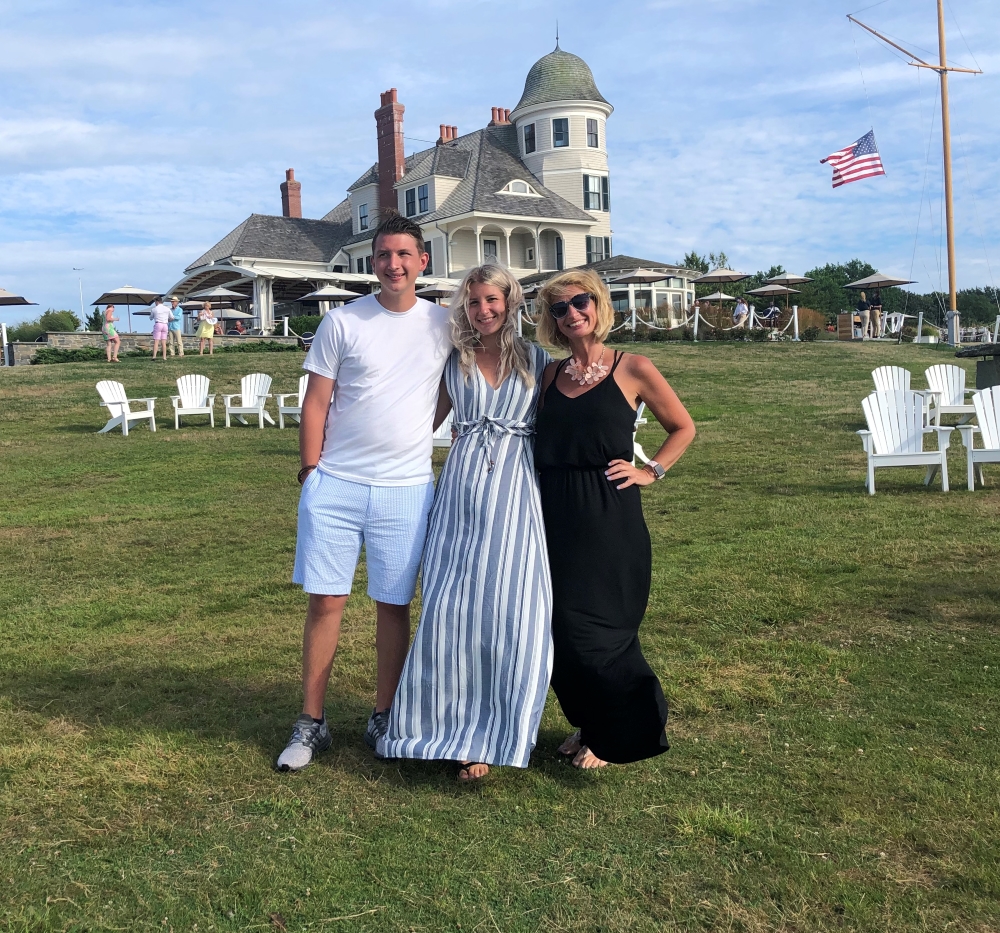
[948,204]
[942,69]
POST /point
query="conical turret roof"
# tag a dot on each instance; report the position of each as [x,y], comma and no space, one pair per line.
[559,76]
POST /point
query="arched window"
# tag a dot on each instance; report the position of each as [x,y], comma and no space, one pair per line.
[517,186]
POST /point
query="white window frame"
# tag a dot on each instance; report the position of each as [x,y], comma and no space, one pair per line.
[534,138]
[568,142]
[363,216]
[597,133]
[423,201]
[406,202]
[530,193]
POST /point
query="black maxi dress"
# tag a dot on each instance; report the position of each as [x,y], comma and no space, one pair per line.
[601,562]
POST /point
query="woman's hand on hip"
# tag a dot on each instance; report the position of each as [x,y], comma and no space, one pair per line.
[633,476]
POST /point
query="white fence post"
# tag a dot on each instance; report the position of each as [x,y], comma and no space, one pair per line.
[795,319]
[920,326]
[285,324]
[520,323]
[996,329]
[697,314]
[3,343]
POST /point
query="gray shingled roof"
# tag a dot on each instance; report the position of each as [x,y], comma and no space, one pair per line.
[492,161]
[441,160]
[616,264]
[261,236]
[340,214]
[559,76]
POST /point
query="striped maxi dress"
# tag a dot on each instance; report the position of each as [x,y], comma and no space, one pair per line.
[475,680]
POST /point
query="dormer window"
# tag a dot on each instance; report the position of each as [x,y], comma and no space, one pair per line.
[519,187]
[363,217]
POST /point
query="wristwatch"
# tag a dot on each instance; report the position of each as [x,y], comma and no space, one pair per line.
[658,471]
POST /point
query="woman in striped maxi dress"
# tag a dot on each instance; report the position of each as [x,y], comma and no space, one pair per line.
[475,681]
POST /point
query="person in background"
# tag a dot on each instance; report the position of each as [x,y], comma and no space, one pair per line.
[239,328]
[864,311]
[114,342]
[206,329]
[600,554]
[876,309]
[740,313]
[160,315]
[175,329]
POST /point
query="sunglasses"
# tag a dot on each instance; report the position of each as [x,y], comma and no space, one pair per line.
[561,308]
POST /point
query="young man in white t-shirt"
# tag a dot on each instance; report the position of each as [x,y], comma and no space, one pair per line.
[365,441]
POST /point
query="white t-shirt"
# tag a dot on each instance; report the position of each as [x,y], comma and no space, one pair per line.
[160,313]
[387,366]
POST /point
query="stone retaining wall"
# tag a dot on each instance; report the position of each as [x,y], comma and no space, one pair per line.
[25,352]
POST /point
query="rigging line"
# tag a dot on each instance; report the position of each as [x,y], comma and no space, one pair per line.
[979,222]
[872,7]
[962,34]
[864,84]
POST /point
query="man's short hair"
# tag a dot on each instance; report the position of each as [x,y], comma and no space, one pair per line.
[394,222]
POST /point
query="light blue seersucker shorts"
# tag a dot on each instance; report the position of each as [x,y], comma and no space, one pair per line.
[336,517]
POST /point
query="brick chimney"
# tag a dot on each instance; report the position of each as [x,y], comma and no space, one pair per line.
[448,133]
[291,195]
[500,117]
[389,120]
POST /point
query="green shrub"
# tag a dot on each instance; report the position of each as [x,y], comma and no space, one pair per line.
[51,320]
[304,323]
[262,346]
[810,334]
[46,355]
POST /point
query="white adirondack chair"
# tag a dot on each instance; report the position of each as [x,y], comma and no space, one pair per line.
[987,405]
[293,411]
[193,399]
[946,384]
[891,379]
[895,436]
[637,452]
[442,436]
[897,379]
[115,399]
[256,390]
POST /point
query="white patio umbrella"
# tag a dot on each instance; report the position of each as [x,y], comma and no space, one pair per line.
[788,278]
[718,296]
[719,277]
[231,314]
[130,296]
[640,277]
[330,293]
[878,281]
[438,291]
[9,298]
[219,293]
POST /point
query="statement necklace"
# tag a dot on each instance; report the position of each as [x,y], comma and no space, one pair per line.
[588,375]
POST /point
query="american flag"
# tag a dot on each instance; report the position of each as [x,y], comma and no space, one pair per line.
[857,161]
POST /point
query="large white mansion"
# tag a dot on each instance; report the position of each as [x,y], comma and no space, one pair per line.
[531,189]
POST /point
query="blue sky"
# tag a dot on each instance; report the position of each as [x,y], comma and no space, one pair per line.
[133,136]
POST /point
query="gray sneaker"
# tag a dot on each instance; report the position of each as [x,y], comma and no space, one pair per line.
[308,738]
[378,725]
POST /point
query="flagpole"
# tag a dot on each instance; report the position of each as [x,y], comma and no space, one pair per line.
[953,319]
[942,69]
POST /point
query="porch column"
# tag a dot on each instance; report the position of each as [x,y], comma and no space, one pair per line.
[479,246]
[506,240]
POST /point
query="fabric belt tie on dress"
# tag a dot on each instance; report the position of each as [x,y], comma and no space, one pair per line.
[490,430]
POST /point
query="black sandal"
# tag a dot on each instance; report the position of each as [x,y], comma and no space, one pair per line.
[469,779]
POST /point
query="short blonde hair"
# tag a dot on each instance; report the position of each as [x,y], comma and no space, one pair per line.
[587,281]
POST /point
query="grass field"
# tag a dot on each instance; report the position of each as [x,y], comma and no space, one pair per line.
[830,659]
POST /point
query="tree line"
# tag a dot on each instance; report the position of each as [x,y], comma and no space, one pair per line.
[826,292]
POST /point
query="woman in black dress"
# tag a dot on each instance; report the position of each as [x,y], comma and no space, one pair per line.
[599,549]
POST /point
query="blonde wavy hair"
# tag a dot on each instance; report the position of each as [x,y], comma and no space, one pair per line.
[586,281]
[515,351]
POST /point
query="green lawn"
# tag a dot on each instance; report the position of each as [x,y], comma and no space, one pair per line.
[830,658]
